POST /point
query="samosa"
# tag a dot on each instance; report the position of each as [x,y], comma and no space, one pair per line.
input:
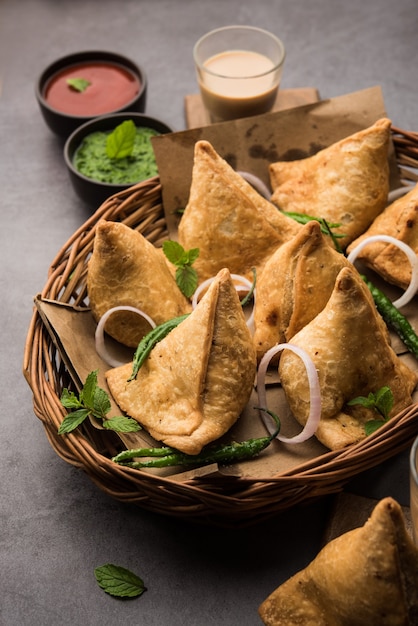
[350,347]
[230,223]
[399,220]
[294,286]
[125,269]
[197,380]
[346,183]
[365,577]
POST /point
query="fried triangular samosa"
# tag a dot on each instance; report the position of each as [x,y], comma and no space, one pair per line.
[365,577]
[349,345]
[232,224]
[400,220]
[197,380]
[125,269]
[294,286]
[346,183]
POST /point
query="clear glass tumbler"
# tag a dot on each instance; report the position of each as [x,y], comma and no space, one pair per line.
[239,69]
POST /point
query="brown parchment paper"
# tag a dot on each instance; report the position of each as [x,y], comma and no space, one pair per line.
[251,144]
[351,511]
[196,114]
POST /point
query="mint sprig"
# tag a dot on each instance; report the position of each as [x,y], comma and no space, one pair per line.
[186,275]
[78,84]
[381,401]
[118,581]
[120,142]
[92,401]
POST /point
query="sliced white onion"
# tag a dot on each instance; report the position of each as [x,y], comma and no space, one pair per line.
[257,183]
[242,279]
[250,320]
[314,392]
[398,193]
[99,336]
[412,258]
[246,285]
[196,296]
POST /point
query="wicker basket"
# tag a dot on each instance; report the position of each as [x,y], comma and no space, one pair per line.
[217,500]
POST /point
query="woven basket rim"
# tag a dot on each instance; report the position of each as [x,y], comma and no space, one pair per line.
[216,500]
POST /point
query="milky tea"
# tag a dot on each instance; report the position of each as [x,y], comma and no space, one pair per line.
[238,83]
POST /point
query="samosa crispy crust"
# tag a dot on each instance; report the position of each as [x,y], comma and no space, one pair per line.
[198,379]
[349,345]
[400,220]
[127,270]
[346,183]
[294,286]
[232,225]
[366,577]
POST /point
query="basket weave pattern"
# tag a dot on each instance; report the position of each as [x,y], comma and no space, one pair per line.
[217,500]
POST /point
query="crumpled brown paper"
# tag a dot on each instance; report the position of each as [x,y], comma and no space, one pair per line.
[253,143]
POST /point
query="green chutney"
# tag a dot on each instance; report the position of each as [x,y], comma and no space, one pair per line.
[91,159]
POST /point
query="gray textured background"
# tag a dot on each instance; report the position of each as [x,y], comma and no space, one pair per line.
[56,526]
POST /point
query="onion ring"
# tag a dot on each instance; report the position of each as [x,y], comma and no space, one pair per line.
[257,183]
[99,333]
[314,392]
[412,258]
[199,289]
[398,193]
[246,285]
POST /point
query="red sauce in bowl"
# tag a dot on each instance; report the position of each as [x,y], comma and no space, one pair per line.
[111,88]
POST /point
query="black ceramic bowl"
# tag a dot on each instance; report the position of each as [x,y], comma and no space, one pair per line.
[129,94]
[92,191]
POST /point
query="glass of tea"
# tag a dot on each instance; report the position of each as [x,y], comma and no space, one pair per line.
[239,69]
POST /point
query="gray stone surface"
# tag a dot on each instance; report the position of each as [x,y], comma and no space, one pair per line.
[56,526]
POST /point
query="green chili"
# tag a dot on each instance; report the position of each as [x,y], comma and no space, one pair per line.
[394,318]
[249,295]
[326,227]
[148,342]
[225,453]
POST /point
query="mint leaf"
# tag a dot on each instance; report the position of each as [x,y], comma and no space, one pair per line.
[384,401]
[174,252]
[381,402]
[89,389]
[186,276]
[369,402]
[177,255]
[69,400]
[93,401]
[72,420]
[186,279]
[122,424]
[119,581]
[120,142]
[78,84]
[192,255]
[372,425]
[101,402]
